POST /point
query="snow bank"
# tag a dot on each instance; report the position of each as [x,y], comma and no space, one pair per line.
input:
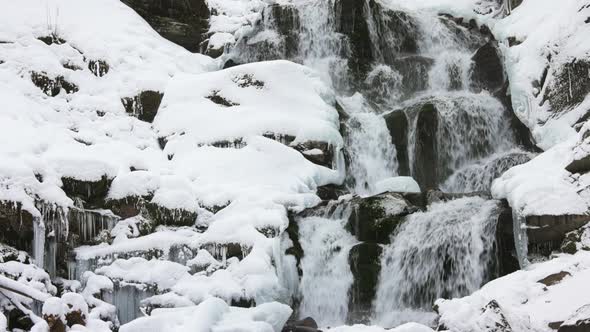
[213,315]
[542,186]
[136,270]
[527,304]
[408,327]
[277,97]
[400,184]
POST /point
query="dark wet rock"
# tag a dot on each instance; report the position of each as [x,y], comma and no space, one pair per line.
[55,323]
[573,241]
[98,67]
[92,193]
[144,106]
[568,86]
[285,20]
[494,319]
[16,226]
[555,325]
[306,324]
[426,154]
[414,70]
[507,261]
[365,265]
[248,80]
[547,233]
[158,215]
[51,39]
[397,30]
[397,123]
[220,100]
[579,322]
[52,86]
[243,303]
[555,278]
[488,71]
[230,63]
[375,218]
[435,196]
[296,250]
[18,320]
[331,192]
[183,22]
[75,317]
[581,165]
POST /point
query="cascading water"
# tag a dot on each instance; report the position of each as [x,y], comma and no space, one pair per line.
[445,251]
[372,156]
[326,274]
[401,62]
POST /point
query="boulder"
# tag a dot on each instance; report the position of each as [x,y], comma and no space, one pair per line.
[98,67]
[365,265]
[52,86]
[488,71]
[183,22]
[555,278]
[426,157]
[578,322]
[92,193]
[144,106]
[546,233]
[507,260]
[16,226]
[568,85]
[375,218]
[306,324]
[397,123]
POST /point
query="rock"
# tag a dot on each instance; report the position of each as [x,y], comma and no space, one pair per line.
[493,318]
[365,265]
[306,324]
[488,71]
[576,240]
[144,106]
[52,86]
[414,70]
[51,39]
[16,226]
[397,33]
[397,123]
[183,22]
[426,154]
[507,260]
[285,19]
[93,193]
[375,218]
[578,322]
[568,86]
[546,233]
[555,278]
[98,67]
[331,192]
[581,165]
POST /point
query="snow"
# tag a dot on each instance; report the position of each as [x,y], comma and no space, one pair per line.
[258,89]
[401,184]
[163,274]
[55,306]
[408,327]
[213,315]
[527,304]
[43,135]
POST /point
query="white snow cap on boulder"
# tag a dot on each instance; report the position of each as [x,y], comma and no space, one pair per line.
[400,184]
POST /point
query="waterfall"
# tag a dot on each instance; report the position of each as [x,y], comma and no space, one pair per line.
[372,156]
[445,251]
[326,277]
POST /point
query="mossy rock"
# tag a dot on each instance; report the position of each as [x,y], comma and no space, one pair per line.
[375,219]
[93,193]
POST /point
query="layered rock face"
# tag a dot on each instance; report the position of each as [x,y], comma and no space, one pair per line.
[182,22]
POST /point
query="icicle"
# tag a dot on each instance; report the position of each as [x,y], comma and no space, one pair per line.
[39,242]
[521,241]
